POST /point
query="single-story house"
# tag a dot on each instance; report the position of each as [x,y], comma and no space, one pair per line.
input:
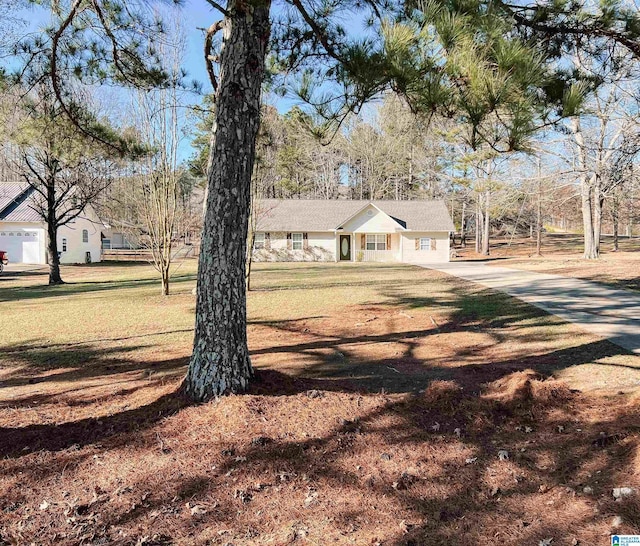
[23,234]
[352,230]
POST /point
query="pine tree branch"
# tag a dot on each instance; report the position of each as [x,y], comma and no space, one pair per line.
[208,58]
[55,78]
[319,33]
[217,6]
[594,29]
[117,62]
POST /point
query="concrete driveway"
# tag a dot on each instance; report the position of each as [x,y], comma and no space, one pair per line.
[606,312]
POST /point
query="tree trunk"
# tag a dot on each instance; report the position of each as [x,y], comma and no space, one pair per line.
[165,281]
[487,225]
[250,243]
[590,248]
[463,234]
[52,252]
[52,232]
[615,220]
[479,224]
[539,219]
[597,222]
[220,362]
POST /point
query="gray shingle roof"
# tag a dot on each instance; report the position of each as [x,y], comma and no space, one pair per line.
[327,215]
[14,203]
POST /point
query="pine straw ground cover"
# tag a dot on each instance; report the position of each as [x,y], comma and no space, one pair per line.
[383,399]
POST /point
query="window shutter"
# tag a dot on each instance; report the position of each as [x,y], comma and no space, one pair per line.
[433,243]
[417,244]
[362,241]
[267,241]
[305,241]
[289,242]
[388,241]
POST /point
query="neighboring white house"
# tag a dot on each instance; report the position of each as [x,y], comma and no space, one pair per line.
[23,235]
[351,230]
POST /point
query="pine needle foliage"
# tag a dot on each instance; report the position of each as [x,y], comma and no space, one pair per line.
[459,59]
[90,42]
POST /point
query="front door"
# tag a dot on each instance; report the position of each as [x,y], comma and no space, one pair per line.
[345,247]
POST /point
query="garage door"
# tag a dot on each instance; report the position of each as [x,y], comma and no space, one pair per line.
[22,245]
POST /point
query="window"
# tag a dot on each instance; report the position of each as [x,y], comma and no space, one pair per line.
[377,242]
[64,245]
[425,243]
[85,236]
[258,240]
[296,240]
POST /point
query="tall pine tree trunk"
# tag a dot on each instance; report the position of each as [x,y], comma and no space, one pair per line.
[220,362]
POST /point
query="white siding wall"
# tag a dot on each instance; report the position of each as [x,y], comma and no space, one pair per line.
[321,246]
[325,246]
[278,240]
[411,255]
[76,248]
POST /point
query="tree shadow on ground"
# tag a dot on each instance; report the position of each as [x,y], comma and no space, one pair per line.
[16,442]
[370,375]
[78,363]
[8,275]
[32,292]
[414,471]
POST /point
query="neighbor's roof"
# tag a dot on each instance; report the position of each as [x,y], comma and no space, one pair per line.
[14,203]
[328,215]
